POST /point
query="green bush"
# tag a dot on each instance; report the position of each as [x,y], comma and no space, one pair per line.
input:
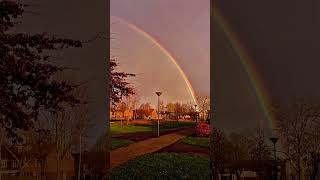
[175,124]
[197,141]
[159,166]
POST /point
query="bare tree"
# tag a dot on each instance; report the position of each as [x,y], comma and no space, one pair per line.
[219,151]
[131,102]
[241,145]
[71,129]
[260,149]
[204,105]
[122,107]
[298,126]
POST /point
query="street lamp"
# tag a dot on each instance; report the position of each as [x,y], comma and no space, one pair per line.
[158,94]
[195,109]
[274,140]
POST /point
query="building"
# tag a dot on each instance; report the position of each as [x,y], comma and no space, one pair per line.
[117,115]
[93,165]
[145,114]
[10,162]
[32,167]
[252,169]
[15,167]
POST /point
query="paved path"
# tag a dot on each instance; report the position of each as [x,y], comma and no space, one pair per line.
[132,151]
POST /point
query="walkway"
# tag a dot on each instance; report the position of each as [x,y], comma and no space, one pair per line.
[132,151]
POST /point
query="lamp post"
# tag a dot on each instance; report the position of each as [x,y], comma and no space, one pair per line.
[158,94]
[195,109]
[274,140]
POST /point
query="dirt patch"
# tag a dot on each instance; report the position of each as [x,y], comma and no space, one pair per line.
[180,147]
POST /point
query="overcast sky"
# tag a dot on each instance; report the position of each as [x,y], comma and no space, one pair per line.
[81,20]
[180,26]
[282,38]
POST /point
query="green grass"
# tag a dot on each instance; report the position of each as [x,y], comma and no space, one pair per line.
[122,129]
[175,124]
[118,143]
[159,166]
[197,141]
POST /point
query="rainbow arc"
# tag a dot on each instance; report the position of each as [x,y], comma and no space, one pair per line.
[164,50]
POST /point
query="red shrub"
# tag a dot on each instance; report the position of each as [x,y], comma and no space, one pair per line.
[202,130]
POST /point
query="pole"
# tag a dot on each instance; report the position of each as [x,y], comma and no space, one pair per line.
[79,170]
[1,152]
[158,117]
[275,161]
[274,169]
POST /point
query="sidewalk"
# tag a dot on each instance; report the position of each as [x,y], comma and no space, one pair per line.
[132,151]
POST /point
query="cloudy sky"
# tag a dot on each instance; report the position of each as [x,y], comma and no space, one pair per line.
[282,39]
[81,20]
[181,27]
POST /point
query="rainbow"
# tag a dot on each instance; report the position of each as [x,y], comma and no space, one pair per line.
[247,63]
[165,51]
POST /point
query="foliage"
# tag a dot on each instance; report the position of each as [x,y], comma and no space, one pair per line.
[119,86]
[163,166]
[118,143]
[122,129]
[27,86]
[197,141]
[202,130]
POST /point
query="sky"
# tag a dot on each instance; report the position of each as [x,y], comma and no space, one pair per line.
[281,38]
[181,27]
[80,20]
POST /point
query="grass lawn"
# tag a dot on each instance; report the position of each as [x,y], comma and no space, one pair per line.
[118,143]
[175,124]
[121,129]
[164,166]
[197,141]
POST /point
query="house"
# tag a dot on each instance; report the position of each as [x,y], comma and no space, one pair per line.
[145,113]
[10,162]
[31,167]
[252,169]
[16,165]
[127,114]
[92,164]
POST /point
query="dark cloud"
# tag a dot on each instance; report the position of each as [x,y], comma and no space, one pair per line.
[281,37]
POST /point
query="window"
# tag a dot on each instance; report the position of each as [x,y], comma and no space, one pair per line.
[3,164]
[15,164]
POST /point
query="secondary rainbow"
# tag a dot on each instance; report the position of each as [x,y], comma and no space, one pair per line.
[165,51]
[248,65]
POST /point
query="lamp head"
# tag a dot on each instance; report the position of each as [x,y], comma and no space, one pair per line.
[274,140]
[158,93]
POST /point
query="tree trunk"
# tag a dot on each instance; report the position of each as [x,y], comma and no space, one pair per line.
[1,138]
[79,166]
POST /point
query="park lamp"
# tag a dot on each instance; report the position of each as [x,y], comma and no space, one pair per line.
[158,94]
[274,140]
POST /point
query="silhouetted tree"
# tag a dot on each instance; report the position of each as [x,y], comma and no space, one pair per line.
[298,125]
[119,85]
[26,84]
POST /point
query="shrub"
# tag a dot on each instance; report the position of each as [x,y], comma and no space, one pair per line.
[166,166]
[202,130]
